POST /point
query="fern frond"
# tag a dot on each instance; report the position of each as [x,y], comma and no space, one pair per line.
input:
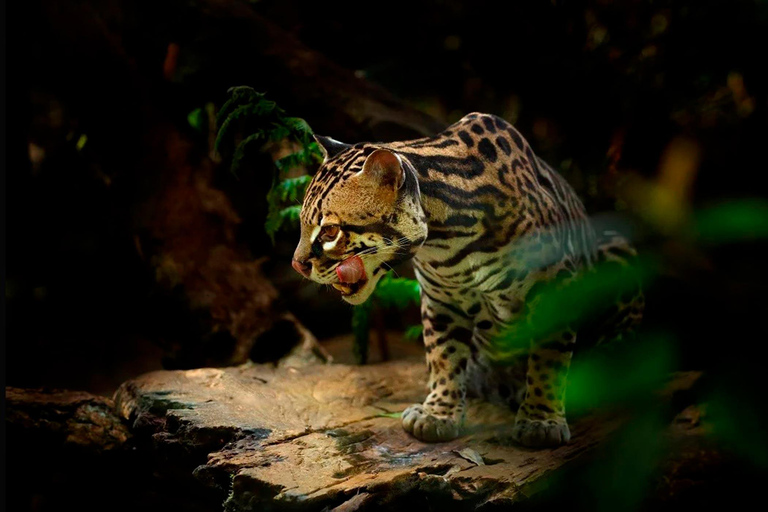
[272,226]
[292,189]
[239,95]
[278,131]
[237,158]
[227,127]
[278,218]
[294,160]
[260,109]
[299,129]
[248,111]
[291,214]
[313,149]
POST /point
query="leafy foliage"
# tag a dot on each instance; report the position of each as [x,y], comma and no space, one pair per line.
[292,189]
[560,305]
[248,111]
[279,217]
[397,292]
[629,376]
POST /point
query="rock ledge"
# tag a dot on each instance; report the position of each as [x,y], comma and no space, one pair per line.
[328,436]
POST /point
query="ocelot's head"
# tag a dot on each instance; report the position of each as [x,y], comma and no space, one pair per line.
[361,215]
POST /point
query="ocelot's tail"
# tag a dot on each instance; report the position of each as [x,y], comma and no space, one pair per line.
[623,314]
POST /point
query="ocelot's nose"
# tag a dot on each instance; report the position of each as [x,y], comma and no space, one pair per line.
[302,267]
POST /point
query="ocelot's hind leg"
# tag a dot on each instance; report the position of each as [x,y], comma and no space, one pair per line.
[540,420]
[615,254]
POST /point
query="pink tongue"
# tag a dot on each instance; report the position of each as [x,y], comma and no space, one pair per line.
[351,270]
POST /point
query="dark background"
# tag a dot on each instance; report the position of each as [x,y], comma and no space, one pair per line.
[579,79]
[600,89]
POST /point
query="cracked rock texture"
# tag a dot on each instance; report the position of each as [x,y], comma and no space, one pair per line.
[329,436]
[73,418]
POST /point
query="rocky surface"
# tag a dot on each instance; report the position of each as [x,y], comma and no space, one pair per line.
[74,418]
[66,450]
[329,436]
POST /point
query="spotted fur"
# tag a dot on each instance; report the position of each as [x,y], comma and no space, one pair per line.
[486,222]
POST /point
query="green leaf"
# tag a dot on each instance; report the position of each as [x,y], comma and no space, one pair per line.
[260,109]
[239,155]
[248,110]
[299,129]
[304,157]
[238,95]
[558,305]
[413,332]
[292,189]
[278,132]
[81,141]
[315,155]
[733,222]
[290,214]
[289,162]
[196,119]
[735,425]
[361,321]
[628,373]
[397,292]
[279,219]
[390,415]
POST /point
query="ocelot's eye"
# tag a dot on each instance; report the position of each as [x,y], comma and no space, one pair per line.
[329,233]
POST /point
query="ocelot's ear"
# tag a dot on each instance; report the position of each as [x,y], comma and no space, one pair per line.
[386,168]
[330,147]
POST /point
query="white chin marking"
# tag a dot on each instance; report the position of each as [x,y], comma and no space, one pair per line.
[362,294]
[355,299]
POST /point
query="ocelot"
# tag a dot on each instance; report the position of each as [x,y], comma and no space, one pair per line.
[484,220]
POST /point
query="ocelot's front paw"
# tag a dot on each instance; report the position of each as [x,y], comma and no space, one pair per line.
[428,427]
[537,433]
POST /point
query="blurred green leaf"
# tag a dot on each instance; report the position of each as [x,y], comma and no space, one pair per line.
[558,305]
[196,119]
[733,221]
[413,332]
[739,423]
[81,141]
[397,292]
[627,465]
[618,375]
